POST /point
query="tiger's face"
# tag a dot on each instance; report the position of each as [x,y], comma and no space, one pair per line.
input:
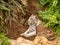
[32,19]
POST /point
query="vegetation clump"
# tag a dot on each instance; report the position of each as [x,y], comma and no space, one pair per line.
[51,15]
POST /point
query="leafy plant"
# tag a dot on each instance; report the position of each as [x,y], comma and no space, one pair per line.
[51,15]
[4,39]
[10,7]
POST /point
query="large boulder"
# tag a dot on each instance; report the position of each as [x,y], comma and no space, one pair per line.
[39,40]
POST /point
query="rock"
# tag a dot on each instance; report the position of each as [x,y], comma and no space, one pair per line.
[40,40]
[12,42]
[22,41]
[24,44]
[56,41]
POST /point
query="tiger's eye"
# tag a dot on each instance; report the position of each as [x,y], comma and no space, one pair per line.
[36,17]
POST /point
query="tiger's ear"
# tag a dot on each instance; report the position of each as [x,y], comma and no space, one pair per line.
[32,15]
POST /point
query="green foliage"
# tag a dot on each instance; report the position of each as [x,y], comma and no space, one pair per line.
[51,15]
[4,39]
[43,2]
[57,31]
[10,8]
[3,5]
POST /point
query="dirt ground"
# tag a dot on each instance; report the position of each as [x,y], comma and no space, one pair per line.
[18,27]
